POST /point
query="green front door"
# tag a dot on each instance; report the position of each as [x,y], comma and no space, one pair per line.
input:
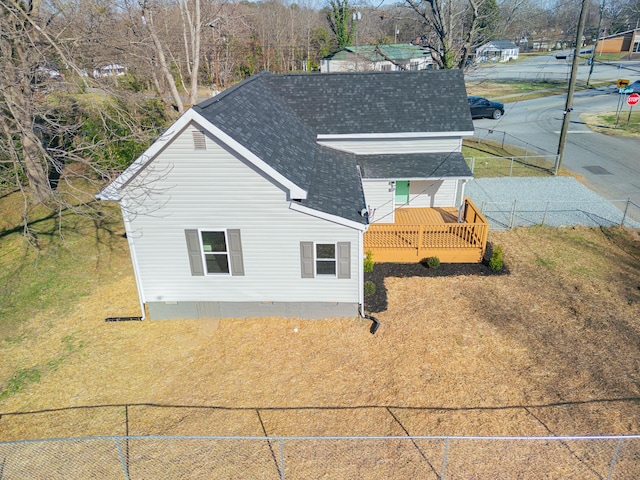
[402,192]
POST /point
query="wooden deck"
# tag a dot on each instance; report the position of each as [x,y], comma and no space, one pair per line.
[420,233]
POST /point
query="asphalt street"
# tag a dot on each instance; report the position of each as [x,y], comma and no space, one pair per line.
[609,165]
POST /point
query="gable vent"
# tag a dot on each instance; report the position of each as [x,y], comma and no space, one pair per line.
[199,141]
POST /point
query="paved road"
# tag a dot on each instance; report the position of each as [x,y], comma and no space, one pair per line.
[610,165]
[549,68]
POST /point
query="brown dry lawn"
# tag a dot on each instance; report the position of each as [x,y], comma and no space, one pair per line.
[553,348]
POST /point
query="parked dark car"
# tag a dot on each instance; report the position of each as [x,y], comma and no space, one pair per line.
[483,108]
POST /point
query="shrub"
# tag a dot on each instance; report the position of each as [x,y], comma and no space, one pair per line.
[431,262]
[368,262]
[369,288]
[496,262]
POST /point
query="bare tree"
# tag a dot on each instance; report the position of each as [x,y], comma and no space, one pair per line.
[56,127]
[452,30]
[25,49]
[147,16]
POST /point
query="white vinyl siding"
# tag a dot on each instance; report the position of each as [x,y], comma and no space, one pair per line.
[362,146]
[432,193]
[210,190]
[379,197]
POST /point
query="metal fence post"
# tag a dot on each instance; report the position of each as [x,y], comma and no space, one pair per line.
[614,459]
[624,215]
[281,442]
[544,217]
[444,459]
[123,461]
[473,164]
[513,214]
[511,167]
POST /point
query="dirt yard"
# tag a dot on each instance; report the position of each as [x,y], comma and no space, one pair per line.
[551,348]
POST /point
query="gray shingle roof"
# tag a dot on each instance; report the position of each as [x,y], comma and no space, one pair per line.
[278,118]
[414,165]
[382,102]
[335,186]
[501,44]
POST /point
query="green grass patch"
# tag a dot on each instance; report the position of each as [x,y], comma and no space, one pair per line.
[545,262]
[58,262]
[21,379]
[489,160]
[514,91]
[626,123]
[24,377]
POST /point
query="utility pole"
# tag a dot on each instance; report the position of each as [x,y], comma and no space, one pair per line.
[572,86]
[356,16]
[595,46]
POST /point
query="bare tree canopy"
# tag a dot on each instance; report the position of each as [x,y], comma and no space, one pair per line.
[454,28]
[58,124]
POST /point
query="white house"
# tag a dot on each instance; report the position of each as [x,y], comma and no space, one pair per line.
[377,58]
[254,203]
[497,51]
[110,70]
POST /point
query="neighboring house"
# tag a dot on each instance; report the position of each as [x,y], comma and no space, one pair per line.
[255,202]
[377,58]
[623,42]
[111,70]
[497,51]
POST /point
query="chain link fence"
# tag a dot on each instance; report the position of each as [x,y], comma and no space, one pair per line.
[514,166]
[441,458]
[503,216]
[500,138]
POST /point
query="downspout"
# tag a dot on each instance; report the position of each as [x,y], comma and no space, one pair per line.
[376,322]
[461,197]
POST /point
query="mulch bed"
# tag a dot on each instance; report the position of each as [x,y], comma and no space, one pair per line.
[378,301]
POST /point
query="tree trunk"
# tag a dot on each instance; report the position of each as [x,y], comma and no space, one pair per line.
[147,20]
[17,96]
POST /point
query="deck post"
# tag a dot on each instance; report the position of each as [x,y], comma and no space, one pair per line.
[420,233]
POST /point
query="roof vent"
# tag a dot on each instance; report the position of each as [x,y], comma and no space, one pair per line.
[199,141]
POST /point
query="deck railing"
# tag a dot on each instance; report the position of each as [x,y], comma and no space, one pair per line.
[451,242]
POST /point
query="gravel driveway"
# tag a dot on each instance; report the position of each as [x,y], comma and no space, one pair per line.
[557,201]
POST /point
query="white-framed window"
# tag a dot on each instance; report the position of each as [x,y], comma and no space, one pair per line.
[214,252]
[326,259]
[323,259]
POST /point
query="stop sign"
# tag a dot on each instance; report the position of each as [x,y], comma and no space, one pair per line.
[633,99]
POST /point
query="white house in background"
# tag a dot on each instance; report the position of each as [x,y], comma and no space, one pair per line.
[497,51]
[255,202]
[378,58]
[111,70]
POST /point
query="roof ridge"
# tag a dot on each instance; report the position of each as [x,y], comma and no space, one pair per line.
[231,89]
